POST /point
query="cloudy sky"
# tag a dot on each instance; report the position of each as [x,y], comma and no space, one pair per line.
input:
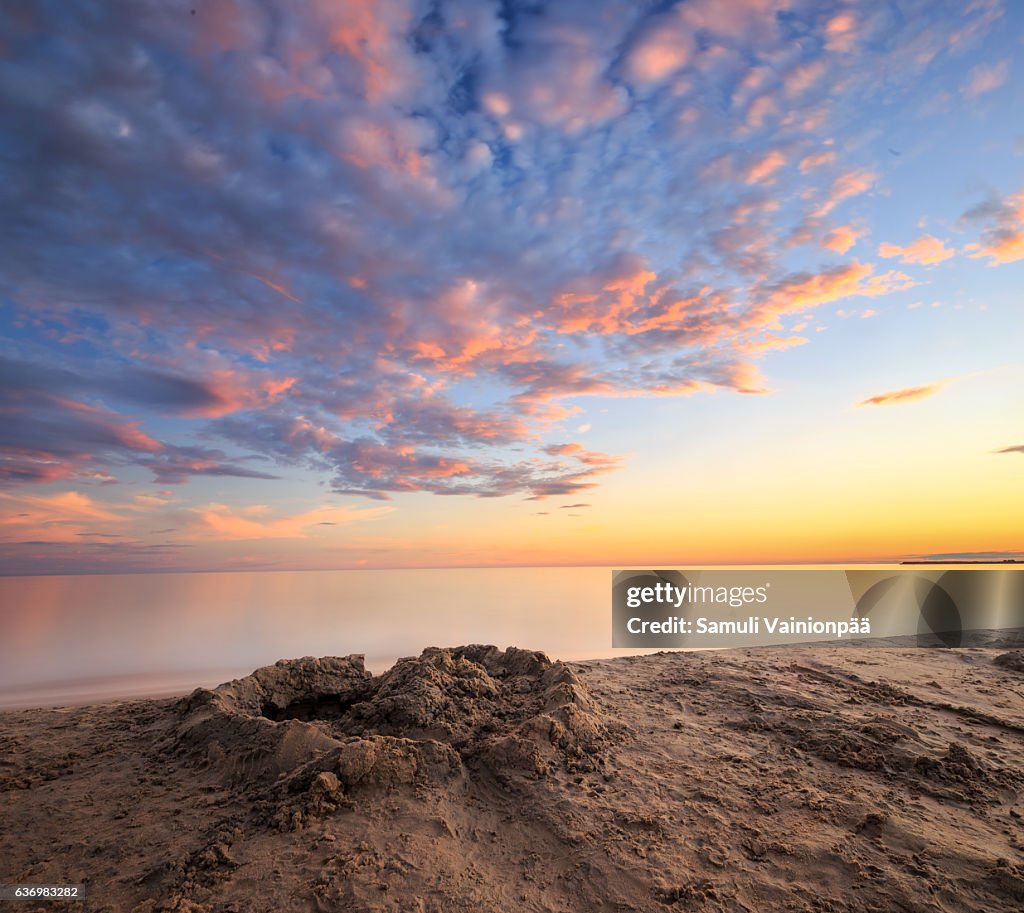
[400,283]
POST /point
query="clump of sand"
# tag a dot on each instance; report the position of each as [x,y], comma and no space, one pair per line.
[1014,660]
[511,712]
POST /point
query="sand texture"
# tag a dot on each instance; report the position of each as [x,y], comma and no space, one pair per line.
[474,779]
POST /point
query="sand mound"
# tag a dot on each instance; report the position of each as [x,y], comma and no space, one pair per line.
[424,721]
[503,709]
[257,727]
[1014,660]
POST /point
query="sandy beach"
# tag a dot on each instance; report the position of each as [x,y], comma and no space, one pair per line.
[474,779]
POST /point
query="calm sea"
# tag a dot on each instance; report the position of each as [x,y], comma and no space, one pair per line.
[91,638]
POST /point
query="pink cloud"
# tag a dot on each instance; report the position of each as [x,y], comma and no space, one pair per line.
[371,36]
[925,251]
[734,20]
[660,52]
[760,110]
[763,170]
[62,517]
[849,184]
[816,160]
[841,33]
[803,77]
[566,87]
[986,78]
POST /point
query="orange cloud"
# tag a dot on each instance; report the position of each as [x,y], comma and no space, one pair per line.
[772,343]
[222,522]
[1002,241]
[275,389]
[1008,248]
[804,291]
[605,302]
[229,391]
[906,395]
[841,239]
[925,251]
[473,333]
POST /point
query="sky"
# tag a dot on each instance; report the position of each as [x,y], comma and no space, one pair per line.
[429,284]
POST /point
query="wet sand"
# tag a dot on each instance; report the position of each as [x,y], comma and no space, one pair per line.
[471,779]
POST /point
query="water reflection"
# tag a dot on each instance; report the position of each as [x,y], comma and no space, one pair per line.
[73,639]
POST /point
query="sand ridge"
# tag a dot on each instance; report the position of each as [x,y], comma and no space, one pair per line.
[479,779]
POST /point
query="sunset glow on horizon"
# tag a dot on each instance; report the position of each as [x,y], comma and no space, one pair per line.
[402,284]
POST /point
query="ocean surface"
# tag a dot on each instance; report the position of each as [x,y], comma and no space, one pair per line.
[73,640]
